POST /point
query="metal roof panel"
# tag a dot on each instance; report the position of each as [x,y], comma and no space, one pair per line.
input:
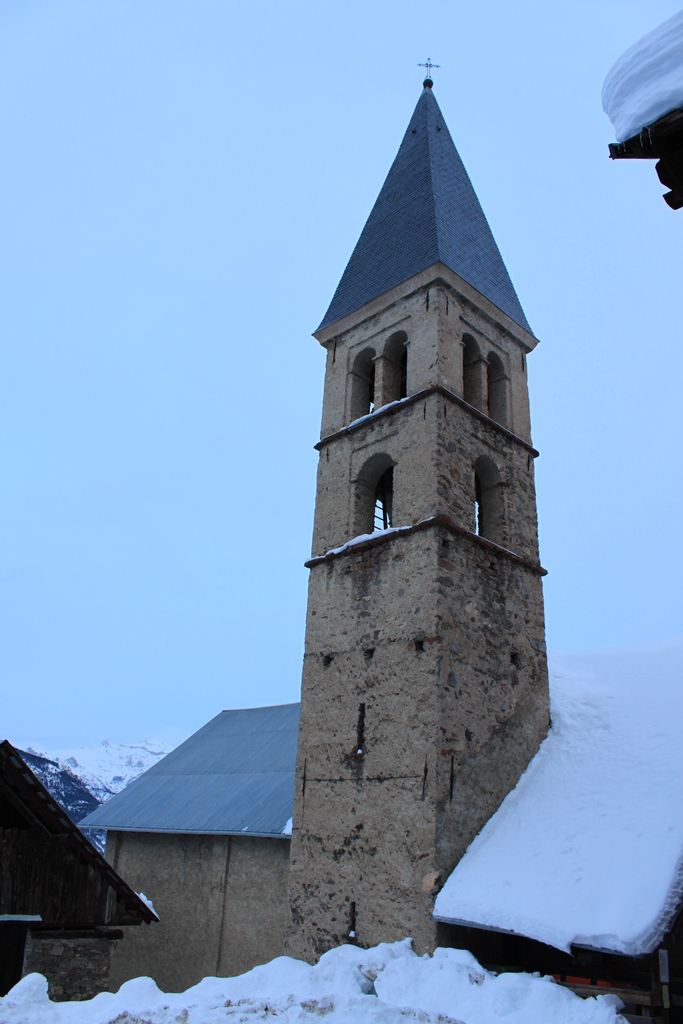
[235,774]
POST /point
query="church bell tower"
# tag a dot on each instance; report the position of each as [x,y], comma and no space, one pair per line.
[424,691]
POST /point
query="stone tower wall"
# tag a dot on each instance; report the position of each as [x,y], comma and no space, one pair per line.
[424,692]
[421,632]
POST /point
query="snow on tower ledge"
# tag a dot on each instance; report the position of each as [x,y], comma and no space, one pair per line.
[588,848]
[647,81]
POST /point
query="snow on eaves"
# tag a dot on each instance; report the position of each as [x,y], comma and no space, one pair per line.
[588,848]
[647,81]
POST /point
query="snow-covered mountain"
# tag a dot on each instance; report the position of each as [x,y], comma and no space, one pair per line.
[69,791]
[107,767]
[82,779]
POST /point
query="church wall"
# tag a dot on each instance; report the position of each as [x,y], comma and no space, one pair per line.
[222,903]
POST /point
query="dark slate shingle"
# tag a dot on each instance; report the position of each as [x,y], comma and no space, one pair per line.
[426,212]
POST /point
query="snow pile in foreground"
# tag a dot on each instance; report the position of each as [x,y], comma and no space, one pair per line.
[647,81]
[385,985]
[588,848]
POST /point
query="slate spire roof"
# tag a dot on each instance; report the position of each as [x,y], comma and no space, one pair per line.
[426,212]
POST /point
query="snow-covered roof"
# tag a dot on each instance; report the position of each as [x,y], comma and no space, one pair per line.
[235,775]
[588,848]
[647,81]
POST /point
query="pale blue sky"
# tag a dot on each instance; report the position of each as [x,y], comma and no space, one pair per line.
[181,186]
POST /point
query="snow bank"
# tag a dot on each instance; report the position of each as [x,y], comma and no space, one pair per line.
[388,984]
[588,847]
[647,81]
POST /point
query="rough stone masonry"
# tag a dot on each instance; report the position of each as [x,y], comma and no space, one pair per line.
[425,690]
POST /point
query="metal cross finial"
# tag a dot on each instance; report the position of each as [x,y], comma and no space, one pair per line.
[429,66]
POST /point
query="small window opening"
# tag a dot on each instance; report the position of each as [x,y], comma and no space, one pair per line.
[514,659]
[352,921]
[489,510]
[477,506]
[369,653]
[384,500]
[373,495]
[363,384]
[327,660]
[473,374]
[360,734]
[419,646]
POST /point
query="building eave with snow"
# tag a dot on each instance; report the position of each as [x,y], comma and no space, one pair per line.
[579,872]
[643,97]
[55,888]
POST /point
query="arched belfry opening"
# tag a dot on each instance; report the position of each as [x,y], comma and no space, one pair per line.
[489,506]
[474,376]
[394,368]
[384,499]
[374,495]
[497,381]
[363,384]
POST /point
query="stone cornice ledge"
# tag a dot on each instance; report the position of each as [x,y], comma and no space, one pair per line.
[394,407]
[402,531]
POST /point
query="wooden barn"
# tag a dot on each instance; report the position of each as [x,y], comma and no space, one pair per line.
[61,905]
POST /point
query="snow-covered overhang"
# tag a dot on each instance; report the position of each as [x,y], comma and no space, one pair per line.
[643,97]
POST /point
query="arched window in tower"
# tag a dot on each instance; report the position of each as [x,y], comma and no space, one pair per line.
[498,389]
[395,369]
[374,495]
[384,497]
[489,506]
[363,384]
[473,374]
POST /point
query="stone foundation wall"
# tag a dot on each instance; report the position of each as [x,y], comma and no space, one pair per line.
[75,968]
